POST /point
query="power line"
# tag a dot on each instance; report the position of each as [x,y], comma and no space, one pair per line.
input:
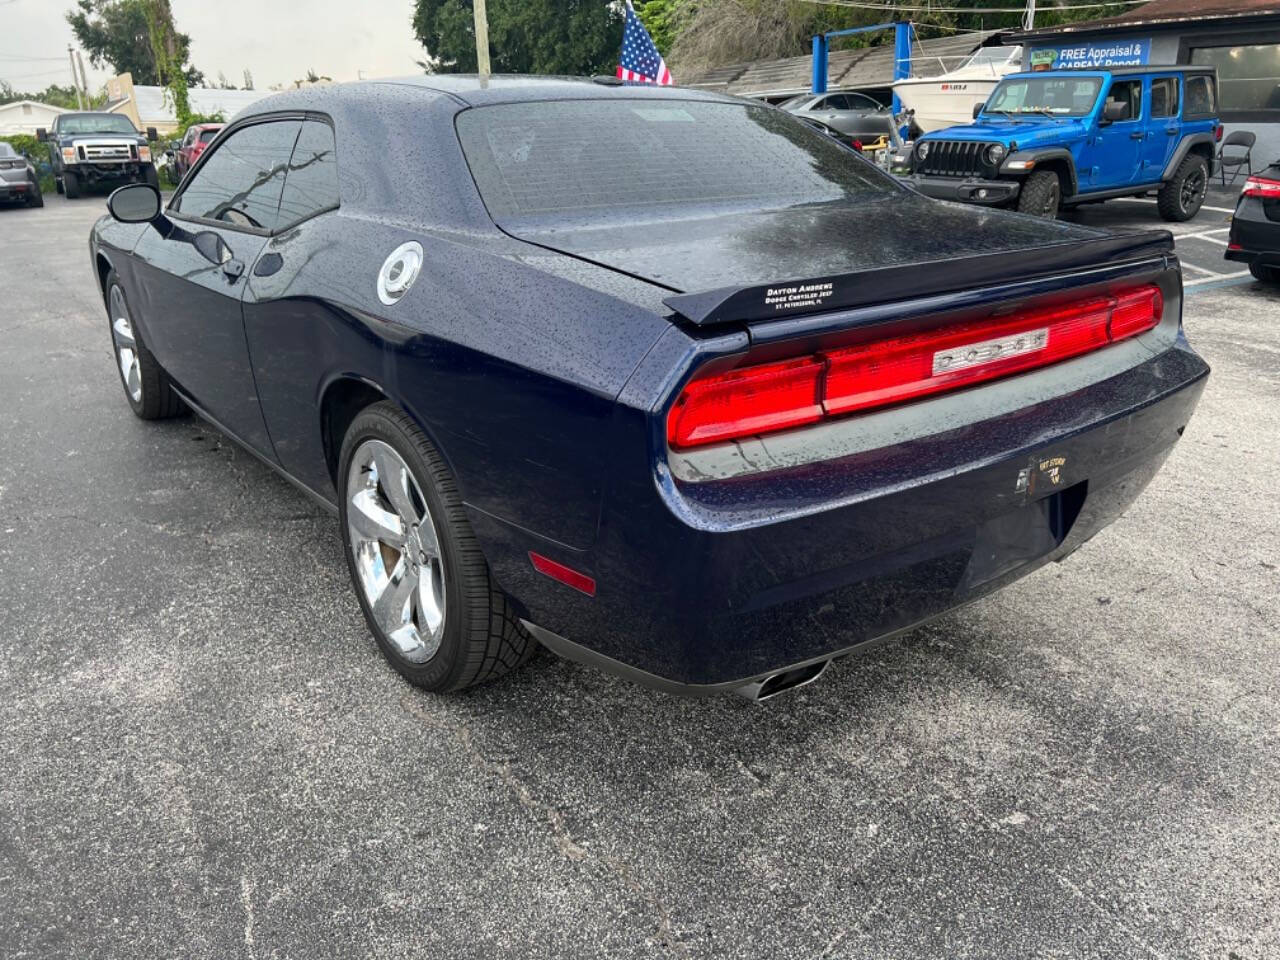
[15,57]
[906,8]
[31,76]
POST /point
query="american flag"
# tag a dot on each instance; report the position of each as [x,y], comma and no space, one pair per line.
[641,62]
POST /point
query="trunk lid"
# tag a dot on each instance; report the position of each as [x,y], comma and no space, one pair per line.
[756,265]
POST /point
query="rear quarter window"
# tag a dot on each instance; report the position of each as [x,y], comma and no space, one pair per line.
[598,157]
[1201,99]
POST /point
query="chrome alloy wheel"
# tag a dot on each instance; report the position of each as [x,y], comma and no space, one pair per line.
[396,550]
[126,345]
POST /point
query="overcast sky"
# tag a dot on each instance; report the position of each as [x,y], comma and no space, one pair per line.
[277,40]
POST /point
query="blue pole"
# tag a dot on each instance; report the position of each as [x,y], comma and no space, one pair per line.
[819,63]
[901,64]
[901,57]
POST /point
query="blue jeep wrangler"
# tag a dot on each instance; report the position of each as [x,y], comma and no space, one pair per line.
[1058,138]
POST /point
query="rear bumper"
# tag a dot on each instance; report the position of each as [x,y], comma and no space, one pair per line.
[698,593]
[968,190]
[14,191]
[1257,236]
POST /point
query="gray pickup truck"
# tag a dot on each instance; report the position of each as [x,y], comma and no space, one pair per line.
[86,149]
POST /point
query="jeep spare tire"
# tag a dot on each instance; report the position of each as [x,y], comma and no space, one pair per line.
[1041,194]
[1181,198]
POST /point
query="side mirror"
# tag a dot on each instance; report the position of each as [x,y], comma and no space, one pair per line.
[42,134]
[175,144]
[977,110]
[1114,110]
[135,203]
[151,134]
[210,246]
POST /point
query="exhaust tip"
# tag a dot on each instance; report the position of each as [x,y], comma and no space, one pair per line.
[769,687]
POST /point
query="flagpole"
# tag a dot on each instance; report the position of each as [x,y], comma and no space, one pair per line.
[482,38]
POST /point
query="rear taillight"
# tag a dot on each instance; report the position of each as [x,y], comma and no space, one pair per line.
[763,398]
[756,399]
[1263,187]
[1217,133]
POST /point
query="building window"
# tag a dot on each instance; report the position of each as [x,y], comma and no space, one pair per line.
[1248,76]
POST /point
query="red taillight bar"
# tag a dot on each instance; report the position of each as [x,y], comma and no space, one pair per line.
[1263,187]
[767,397]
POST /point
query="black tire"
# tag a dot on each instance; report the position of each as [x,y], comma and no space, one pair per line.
[1264,274]
[152,177]
[171,170]
[482,637]
[1041,194]
[34,197]
[57,185]
[70,185]
[158,401]
[1181,198]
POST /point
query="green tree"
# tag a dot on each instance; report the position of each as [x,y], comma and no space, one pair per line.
[118,33]
[664,20]
[576,37]
[53,95]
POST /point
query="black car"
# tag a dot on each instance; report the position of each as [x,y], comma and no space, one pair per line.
[1255,226]
[19,181]
[663,380]
[87,149]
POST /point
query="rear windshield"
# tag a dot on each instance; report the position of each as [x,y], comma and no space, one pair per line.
[592,157]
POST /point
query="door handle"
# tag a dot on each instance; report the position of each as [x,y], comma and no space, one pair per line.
[1136,136]
[1171,131]
[232,270]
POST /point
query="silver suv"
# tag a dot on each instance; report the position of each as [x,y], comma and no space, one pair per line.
[18,179]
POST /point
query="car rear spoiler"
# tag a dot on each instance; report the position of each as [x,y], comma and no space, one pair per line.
[786,298]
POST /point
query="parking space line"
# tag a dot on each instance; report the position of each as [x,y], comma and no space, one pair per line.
[1145,200]
[1204,236]
[1192,266]
[1223,279]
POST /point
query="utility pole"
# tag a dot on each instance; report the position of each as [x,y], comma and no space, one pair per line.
[1029,18]
[482,38]
[75,81]
[84,81]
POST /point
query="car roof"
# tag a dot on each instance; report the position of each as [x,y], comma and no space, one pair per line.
[1116,71]
[470,90]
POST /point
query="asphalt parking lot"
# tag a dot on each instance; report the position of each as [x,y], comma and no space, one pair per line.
[204,755]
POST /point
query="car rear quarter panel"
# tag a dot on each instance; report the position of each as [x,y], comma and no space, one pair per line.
[508,363]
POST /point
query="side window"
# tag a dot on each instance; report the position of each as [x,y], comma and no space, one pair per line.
[1128,92]
[838,102]
[311,185]
[191,135]
[1164,97]
[1200,98]
[240,183]
[859,102]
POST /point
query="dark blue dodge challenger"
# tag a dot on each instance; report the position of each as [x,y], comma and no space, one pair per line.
[665,381]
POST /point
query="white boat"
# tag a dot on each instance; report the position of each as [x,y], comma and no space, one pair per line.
[948,99]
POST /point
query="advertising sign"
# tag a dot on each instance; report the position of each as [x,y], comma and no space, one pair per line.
[1094,53]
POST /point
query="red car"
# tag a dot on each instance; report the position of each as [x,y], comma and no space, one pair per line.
[199,136]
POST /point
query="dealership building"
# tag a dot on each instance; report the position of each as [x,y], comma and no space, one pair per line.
[1239,37]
